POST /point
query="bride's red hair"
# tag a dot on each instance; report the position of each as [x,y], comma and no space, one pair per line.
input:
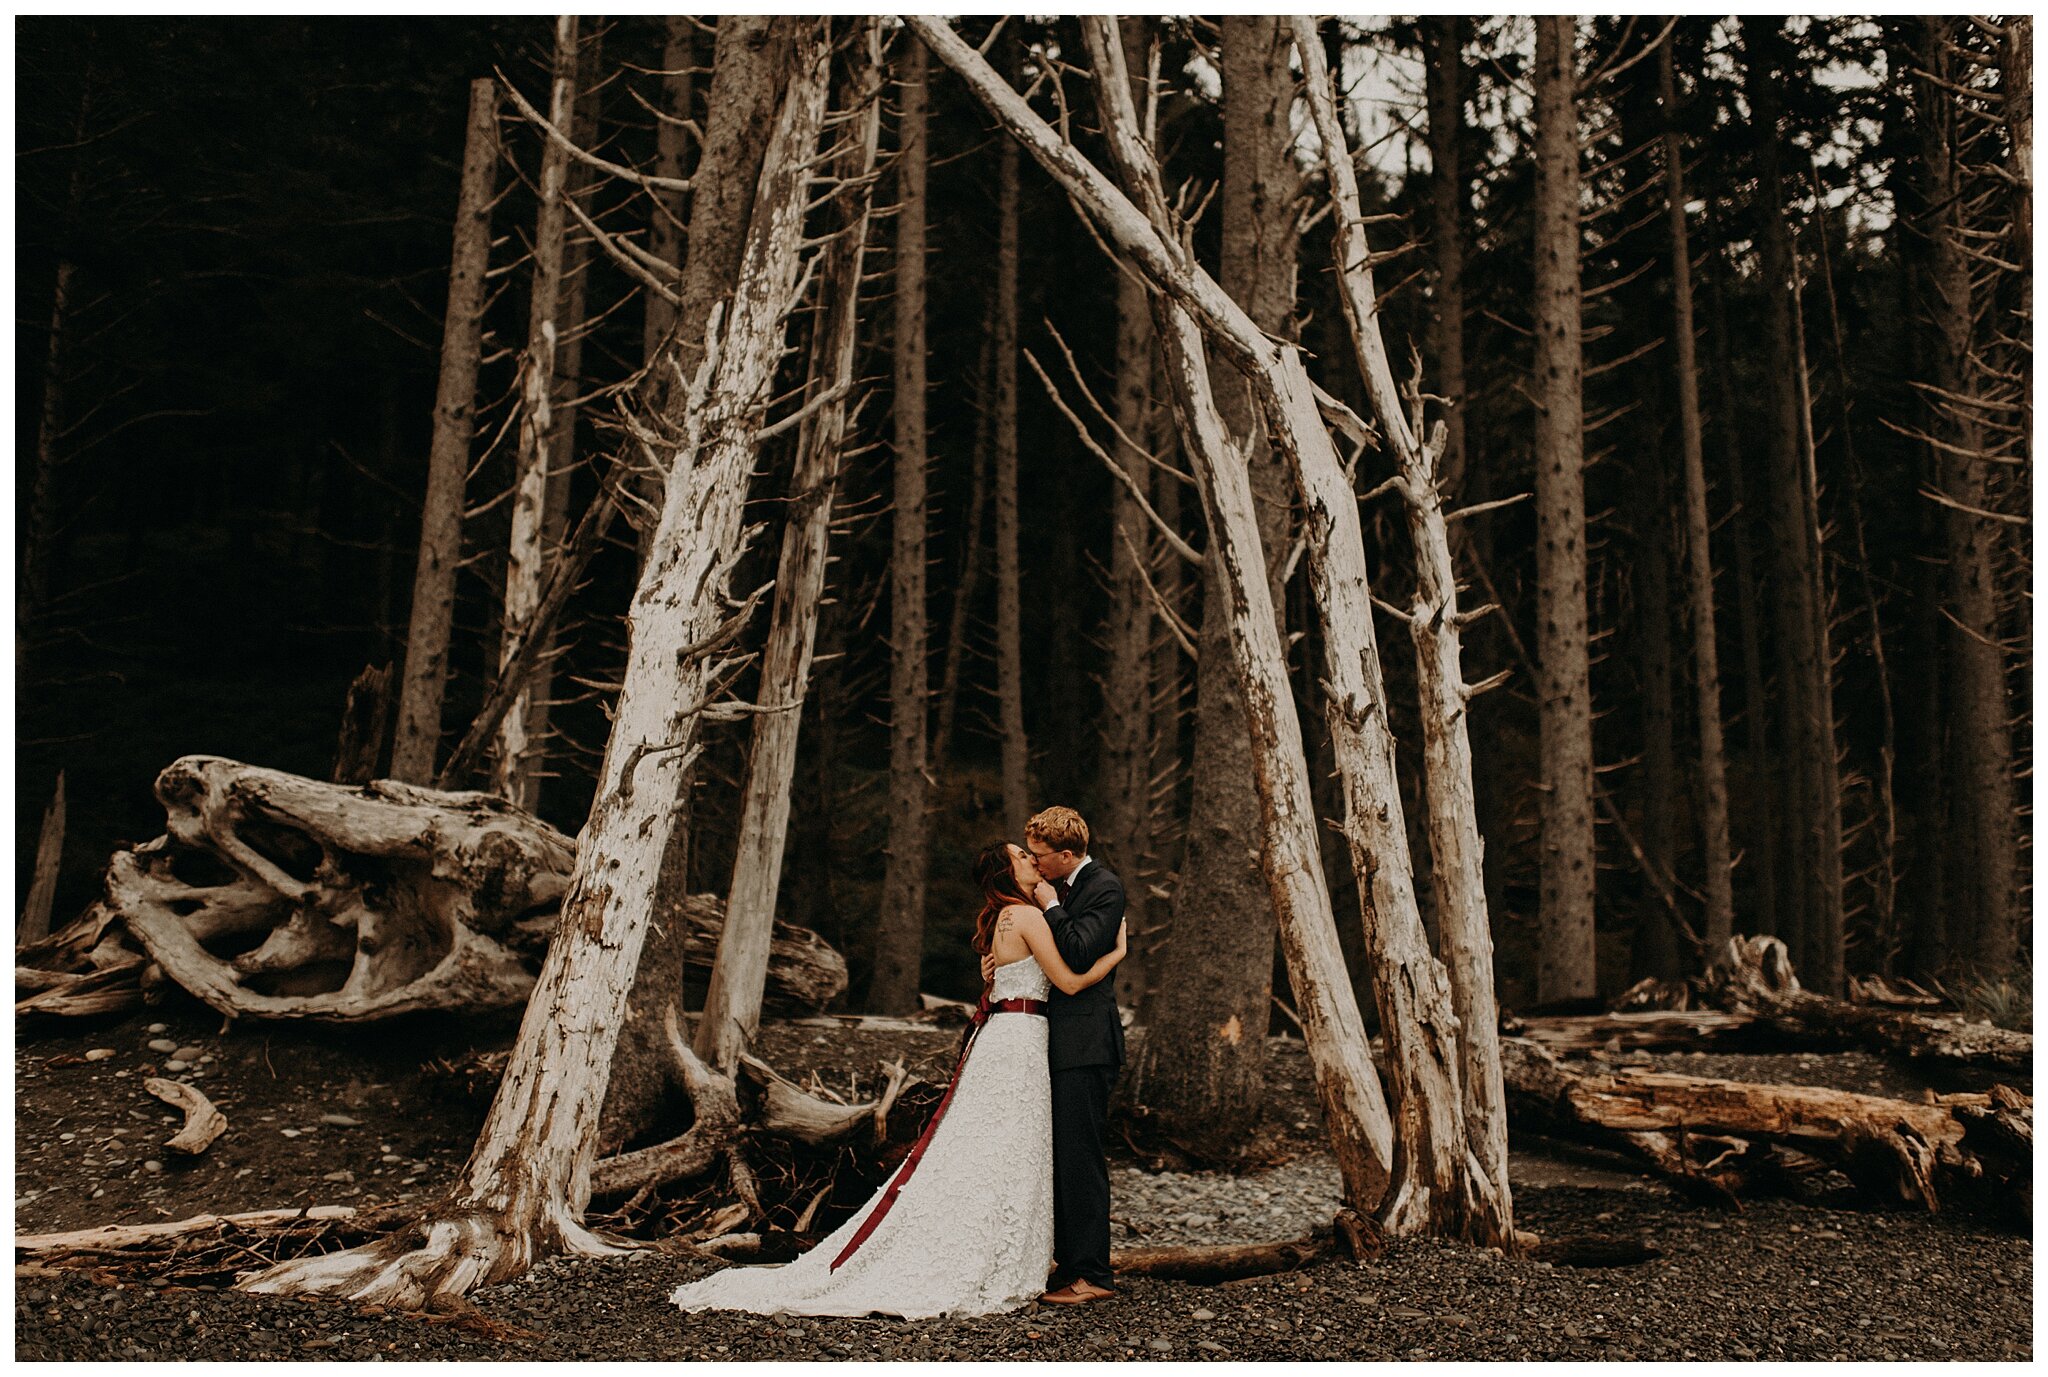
[999,889]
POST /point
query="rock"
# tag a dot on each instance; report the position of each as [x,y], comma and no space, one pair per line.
[159,1028]
[162,1045]
[340,1120]
[99,1054]
[1160,1345]
[188,1054]
[1205,1314]
[152,1166]
[291,1132]
[1209,1347]
[174,1064]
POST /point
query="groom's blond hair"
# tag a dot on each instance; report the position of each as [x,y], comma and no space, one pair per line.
[1060,828]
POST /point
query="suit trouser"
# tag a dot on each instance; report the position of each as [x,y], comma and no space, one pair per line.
[1080,1171]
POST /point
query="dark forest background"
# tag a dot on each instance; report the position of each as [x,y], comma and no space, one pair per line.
[256,218]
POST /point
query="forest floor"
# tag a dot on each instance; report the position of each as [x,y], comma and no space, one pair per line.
[364,1117]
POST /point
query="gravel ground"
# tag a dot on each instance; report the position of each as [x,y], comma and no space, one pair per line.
[360,1118]
[1781,1281]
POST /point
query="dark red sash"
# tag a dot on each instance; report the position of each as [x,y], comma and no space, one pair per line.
[888,1200]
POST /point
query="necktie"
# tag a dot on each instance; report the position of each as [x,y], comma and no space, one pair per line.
[1063,889]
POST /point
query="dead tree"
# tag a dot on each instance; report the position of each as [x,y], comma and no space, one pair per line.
[1716,855]
[1810,906]
[1201,1068]
[1353,1104]
[1971,434]
[899,929]
[1125,772]
[665,222]
[732,1006]
[750,57]
[1015,746]
[433,589]
[1443,46]
[573,324]
[1460,1062]
[522,1192]
[527,555]
[1565,960]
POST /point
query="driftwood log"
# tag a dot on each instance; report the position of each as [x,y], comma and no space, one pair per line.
[203,1123]
[1729,1138]
[279,897]
[1752,1000]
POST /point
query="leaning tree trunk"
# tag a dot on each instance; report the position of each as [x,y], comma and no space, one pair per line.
[1354,1107]
[751,53]
[1451,1129]
[899,930]
[527,556]
[1699,557]
[528,1177]
[732,1005]
[433,588]
[1810,904]
[1565,967]
[1201,1067]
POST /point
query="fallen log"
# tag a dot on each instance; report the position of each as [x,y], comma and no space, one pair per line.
[1751,1000]
[133,1235]
[1220,1262]
[203,1123]
[1732,1136]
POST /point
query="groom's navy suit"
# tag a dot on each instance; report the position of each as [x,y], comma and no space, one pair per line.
[1085,1039]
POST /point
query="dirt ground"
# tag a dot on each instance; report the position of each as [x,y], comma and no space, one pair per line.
[363,1117]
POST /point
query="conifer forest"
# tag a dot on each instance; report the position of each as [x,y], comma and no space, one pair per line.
[547,546]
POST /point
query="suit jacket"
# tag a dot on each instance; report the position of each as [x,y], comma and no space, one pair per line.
[1085,1029]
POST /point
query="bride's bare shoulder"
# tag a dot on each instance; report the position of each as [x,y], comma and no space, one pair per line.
[1014,914]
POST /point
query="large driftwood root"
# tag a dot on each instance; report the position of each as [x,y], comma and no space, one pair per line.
[1734,1137]
[275,896]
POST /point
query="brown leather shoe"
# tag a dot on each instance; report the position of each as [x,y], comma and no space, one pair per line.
[1079,1291]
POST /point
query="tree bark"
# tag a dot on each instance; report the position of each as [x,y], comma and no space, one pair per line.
[1443,46]
[972,557]
[1810,906]
[1565,961]
[899,928]
[433,589]
[1699,558]
[528,1178]
[1201,1069]
[665,222]
[1016,746]
[732,1006]
[1451,1126]
[527,556]
[1354,1107]
[42,887]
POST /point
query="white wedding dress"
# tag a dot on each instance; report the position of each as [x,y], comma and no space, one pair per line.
[971,1231]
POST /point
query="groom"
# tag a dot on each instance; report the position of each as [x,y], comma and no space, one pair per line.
[1084,905]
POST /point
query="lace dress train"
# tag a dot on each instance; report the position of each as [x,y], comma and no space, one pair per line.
[971,1231]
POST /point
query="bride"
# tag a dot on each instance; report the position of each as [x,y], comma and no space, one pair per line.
[964,1226]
